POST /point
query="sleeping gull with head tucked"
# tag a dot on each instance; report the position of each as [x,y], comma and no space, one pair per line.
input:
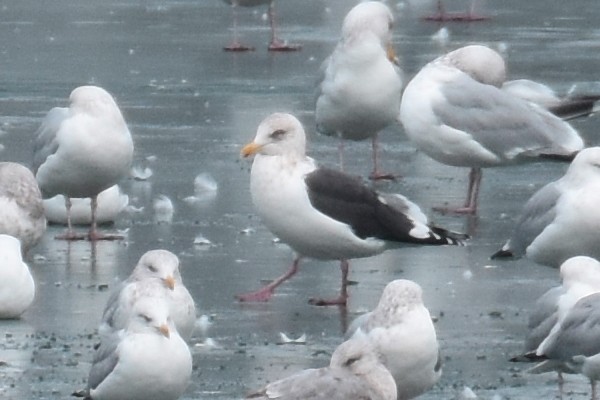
[400,329]
[146,360]
[21,210]
[82,150]
[323,213]
[354,373]
[455,112]
[155,275]
[361,85]
[561,219]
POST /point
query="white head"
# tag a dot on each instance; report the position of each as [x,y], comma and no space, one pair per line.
[93,100]
[580,270]
[158,264]
[279,134]
[479,62]
[369,16]
[586,165]
[359,357]
[399,297]
[151,315]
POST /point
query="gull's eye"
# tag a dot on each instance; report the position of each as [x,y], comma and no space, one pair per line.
[278,134]
[352,360]
[152,268]
[146,318]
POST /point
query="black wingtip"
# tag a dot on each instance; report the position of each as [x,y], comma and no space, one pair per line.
[451,237]
[81,394]
[528,357]
[560,157]
[582,106]
[502,253]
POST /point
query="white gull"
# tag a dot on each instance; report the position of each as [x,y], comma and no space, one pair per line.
[561,219]
[82,150]
[360,86]
[455,112]
[156,275]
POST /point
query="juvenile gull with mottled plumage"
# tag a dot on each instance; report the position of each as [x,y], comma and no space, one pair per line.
[21,210]
[323,213]
[402,332]
[354,373]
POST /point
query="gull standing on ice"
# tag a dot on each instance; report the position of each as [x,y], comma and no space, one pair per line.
[455,112]
[580,277]
[400,329]
[572,342]
[17,288]
[147,360]
[155,275]
[562,219]
[354,373]
[361,84]
[82,150]
[276,44]
[21,209]
[323,213]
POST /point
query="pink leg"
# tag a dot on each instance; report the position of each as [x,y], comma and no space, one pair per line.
[377,174]
[265,293]
[277,44]
[342,299]
[470,206]
[561,383]
[593,383]
[443,16]
[236,45]
[94,235]
[70,233]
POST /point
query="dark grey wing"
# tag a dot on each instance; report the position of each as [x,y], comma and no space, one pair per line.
[105,360]
[579,331]
[507,126]
[537,214]
[543,317]
[318,384]
[346,199]
[45,143]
